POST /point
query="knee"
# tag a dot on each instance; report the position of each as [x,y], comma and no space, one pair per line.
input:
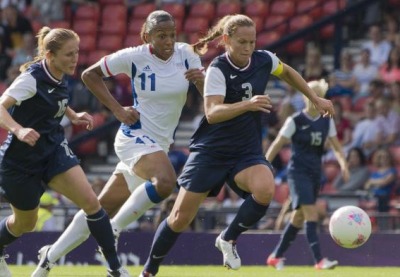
[264,193]
[179,221]
[165,184]
[25,226]
[91,204]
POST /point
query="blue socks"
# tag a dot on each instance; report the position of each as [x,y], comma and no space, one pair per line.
[287,237]
[5,236]
[312,237]
[100,227]
[164,239]
[250,212]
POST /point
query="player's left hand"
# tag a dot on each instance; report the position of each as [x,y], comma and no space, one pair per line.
[195,75]
[83,118]
[324,106]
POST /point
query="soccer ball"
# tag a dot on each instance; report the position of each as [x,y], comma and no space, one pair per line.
[350,226]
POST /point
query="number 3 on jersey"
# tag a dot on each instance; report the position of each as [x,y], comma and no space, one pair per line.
[143,79]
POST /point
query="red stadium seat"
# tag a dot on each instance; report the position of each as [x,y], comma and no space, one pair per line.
[175,9]
[142,10]
[256,8]
[310,7]
[117,27]
[112,2]
[299,22]
[111,13]
[110,42]
[265,38]
[94,56]
[3,135]
[359,104]
[296,47]
[395,152]
[91,12]
[85,27]
[135,25]
[225,8]
[283,7]
[87,43]
[327,32]
[277,23]
[332,6]
[132,40]
[196,25]
[36,26]
[202,9]
[259,22]
[89,147]
[60,24]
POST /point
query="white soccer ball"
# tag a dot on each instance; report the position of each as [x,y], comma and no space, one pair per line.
[350,226]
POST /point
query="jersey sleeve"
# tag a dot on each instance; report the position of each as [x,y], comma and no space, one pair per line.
[23,88]
[332,128]
[277,65]
[288,128]
[193,59]
[116,63]
[214,82]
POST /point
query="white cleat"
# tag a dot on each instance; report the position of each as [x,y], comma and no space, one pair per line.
[121,272]
[146,274]
[44,266]
[325,263]
[229,252]
[4,271]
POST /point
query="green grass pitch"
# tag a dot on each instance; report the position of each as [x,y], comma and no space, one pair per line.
[218,271]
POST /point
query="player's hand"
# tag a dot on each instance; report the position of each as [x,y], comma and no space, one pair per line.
[27,135]
[324,106]
[127,115]
[195,75]
[260,103]
[83,119]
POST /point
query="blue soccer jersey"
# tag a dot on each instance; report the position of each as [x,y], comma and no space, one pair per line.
[41,104]
[240,135]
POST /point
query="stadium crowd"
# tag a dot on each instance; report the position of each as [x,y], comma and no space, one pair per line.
[365,88]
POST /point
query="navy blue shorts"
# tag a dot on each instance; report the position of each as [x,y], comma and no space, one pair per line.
[303,189]
[23,189]
[203,172]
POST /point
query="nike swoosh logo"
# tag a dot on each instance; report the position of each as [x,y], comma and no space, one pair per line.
[233,76]
[158,257]
[244,226]
[51,90]
[305,127]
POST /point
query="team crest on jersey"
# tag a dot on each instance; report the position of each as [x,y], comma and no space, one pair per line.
[147,68]
[179,65]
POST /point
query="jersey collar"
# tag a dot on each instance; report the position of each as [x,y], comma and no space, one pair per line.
[157,58]
[236,67]
[45,68]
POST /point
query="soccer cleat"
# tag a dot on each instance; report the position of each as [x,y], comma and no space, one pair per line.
[278,263]
[4,271]
[146,274]
[326,264]
[44,266]
[121,272]
[229,252]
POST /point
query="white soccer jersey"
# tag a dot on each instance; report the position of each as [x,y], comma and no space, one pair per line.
[159,87]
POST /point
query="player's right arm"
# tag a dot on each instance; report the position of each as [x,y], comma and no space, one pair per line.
[282,139]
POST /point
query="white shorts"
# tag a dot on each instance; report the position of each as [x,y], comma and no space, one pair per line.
[129,151]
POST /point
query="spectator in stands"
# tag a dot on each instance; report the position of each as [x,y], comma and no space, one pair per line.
[394,92]
[38,154]
[161,70]
[342,123]
[307,132]
[342,82]
[226,148]
[47,11]
[16,26]
[391,28]
[27,50]
[292,102]
[376,90]
[46,219]
[314,68]
[388,122]
[377,45]
[364,72]
[382,179]
[358,169]
[21,5]
[5,62]
[390,71]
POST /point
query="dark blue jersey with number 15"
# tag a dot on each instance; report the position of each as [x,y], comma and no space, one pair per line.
[41,103]
[240,135]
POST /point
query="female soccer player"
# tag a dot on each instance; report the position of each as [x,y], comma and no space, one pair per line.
[161,70]
[307,131]
[227,145]
[36,150]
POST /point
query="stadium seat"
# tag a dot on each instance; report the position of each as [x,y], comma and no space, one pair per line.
[312,8]
[276,23]
[109,42]
[331,170]
[296,47]
[332,6]
[202,9]
[135,25]
[142,10]
[259,22]
[327,32]
[91,12]
[395,152]
[283,7]
[94,56]
[132,40]
[225,8]
[3,135]
[175,9]
[257,8]
[87,43]
[118,27]
[36,26]
[112,13]
[60,24]
[265,38]
[299,22]
[195,25]
[281,193]
[85,27]
[111,2]
[88,147]
[359,104]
